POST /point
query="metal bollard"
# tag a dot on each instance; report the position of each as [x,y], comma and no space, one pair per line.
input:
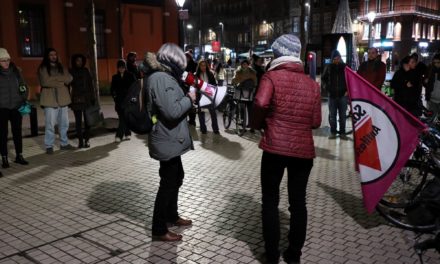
[34,121]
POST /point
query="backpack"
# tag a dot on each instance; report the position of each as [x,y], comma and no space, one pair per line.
[135,110]
[426,208]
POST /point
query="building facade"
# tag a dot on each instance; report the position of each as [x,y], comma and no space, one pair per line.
[28,27]
[400,28]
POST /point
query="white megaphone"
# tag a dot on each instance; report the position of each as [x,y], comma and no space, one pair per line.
[211,94]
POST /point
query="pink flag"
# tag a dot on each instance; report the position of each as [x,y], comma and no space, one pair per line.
[385,135]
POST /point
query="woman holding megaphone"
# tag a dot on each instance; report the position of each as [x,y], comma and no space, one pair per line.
[207,76]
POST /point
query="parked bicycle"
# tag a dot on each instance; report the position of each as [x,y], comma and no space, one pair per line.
[235,109]
[413,200]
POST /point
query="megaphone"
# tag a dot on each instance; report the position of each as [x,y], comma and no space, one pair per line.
[211,94]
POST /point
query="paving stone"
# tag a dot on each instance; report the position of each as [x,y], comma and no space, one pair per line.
[85,191]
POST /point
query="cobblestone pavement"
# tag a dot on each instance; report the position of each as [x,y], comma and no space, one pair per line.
[95,205]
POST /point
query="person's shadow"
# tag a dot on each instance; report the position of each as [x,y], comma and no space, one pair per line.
[353,206]
[244,223]
[63,159]
[221,145]
[136,203]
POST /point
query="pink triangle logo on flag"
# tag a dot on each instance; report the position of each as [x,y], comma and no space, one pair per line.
[385,136]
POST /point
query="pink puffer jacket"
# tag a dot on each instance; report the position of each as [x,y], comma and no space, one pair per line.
[288,107]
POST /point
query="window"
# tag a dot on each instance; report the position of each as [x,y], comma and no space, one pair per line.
[327,23]
[366,31]
[377,30]
[390,30]
[316,20]
[296,25]
[390,5]
[31,30]
[366,6]
[378,6]
[100,34]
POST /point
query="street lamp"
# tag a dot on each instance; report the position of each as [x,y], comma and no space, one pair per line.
[189,28]
[180,4]
[371,16]
[221,40]
[267,31]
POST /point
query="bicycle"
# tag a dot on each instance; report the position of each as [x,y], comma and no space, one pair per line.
[236,106]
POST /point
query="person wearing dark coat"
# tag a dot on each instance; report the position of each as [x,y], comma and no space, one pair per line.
[203,72]
[333,78]
[132,66]
[83,95]
[405,85]
[373,70]
[13,93]
[432,94]
[121,82]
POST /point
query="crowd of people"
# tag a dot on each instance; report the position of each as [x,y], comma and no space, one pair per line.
[285,105]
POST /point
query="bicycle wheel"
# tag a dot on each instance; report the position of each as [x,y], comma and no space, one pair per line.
[407,185]
[228,114]
[240,119]
[402,193]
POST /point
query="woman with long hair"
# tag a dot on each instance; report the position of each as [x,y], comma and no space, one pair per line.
[13,93]
[203,72]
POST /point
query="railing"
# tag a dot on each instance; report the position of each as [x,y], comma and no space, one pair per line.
[404,9]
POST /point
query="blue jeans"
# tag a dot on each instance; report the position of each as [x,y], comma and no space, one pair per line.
[337,106]
[53,116]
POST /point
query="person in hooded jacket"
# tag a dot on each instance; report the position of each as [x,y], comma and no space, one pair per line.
[287,107]
[121,82]
[334,79]
[170,137]
[432,94]
[83,95]
[13,93]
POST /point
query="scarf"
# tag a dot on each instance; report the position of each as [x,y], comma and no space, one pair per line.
[174,70]
[283,60]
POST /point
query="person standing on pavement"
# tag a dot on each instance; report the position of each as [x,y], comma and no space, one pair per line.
[287,107]
[220,74]
[373,70]
[121,82]
[432,94]
[333,78]
[55,99]
[13,93]
[170,137]
[420,69]
[83,96]
[405,85]
[204,73]
[131,64]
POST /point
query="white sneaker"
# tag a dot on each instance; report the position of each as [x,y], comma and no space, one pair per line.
[118,139]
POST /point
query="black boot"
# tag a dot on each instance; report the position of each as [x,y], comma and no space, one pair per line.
[20,160]
[5,163]
[1,174]
[80,142]
[86,144]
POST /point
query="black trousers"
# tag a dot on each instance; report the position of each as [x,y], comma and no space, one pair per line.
[122,127]
[15,118]
[272,170]
[165,207]
[79,115]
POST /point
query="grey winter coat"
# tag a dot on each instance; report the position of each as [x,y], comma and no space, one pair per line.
[10,95]
[170,136]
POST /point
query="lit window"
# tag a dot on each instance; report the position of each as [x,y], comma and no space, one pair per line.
[31,30]
[366,31]
[397,31]
[377,30]
[390,30]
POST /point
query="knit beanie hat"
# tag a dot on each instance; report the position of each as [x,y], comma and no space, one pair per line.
[287,45]
[4,54]
[335,54]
